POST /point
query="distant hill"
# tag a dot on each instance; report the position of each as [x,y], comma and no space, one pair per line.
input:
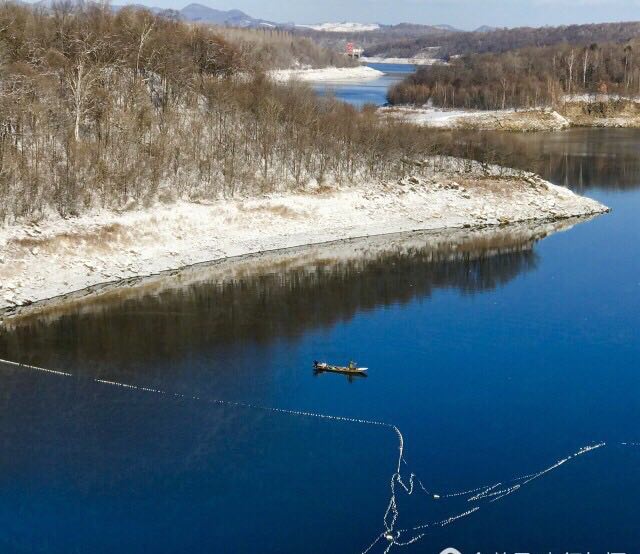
[201,13]
[336,36]
[485,39]
[204,14]
[232,18]
[351,27]
[449,28]
[344,27]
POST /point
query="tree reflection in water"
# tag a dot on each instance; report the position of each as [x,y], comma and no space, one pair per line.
[579,158]
[275,296]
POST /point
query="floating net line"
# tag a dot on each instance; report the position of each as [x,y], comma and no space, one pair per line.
[474,497]
[391,536]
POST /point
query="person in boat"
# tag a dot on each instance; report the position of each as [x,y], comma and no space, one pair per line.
[353,365]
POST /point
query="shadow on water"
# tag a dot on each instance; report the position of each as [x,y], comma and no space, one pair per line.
[276,297]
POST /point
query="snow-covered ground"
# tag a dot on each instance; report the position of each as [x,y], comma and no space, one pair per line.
[57,256]
[440,244]
[597,97]
[344,27]
[618,112]
[512,120]
[336,74]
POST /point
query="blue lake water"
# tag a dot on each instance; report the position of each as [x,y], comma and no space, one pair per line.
[494,358]
[368,92]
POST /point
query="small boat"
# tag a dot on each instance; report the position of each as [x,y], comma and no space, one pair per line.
[351,369]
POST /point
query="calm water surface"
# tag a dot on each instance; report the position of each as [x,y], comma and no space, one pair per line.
[368,92]
[495,359]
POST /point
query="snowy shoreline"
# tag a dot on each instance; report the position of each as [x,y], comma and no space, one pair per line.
[574,111]
[440,244]
[490,120]
[58,256]
[403,61]
[338,74]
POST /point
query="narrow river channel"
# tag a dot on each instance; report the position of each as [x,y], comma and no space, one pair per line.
[368,92]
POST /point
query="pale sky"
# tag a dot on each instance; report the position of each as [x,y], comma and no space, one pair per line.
[466,14]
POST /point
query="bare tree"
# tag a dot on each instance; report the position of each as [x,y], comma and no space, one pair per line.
[145,31]
[80,81]
[571,59]
[628,56]
[585,61]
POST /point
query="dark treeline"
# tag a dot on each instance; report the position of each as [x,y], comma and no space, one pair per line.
[103,109]
[503,40]
[525,78]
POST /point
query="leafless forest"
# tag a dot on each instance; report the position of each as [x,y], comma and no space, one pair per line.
[273,48]
[103,109]
[384,43]
[525,78]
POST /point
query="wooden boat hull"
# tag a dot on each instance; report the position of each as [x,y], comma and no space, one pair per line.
[343,371]
[338,369]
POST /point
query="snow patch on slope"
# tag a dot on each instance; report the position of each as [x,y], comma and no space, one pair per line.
[512,120]
[344,27]
[597,97]
[333,74]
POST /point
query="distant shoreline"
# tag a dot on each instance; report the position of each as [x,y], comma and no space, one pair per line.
[402,61]
[479,120]
[329,74]
[573,111]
